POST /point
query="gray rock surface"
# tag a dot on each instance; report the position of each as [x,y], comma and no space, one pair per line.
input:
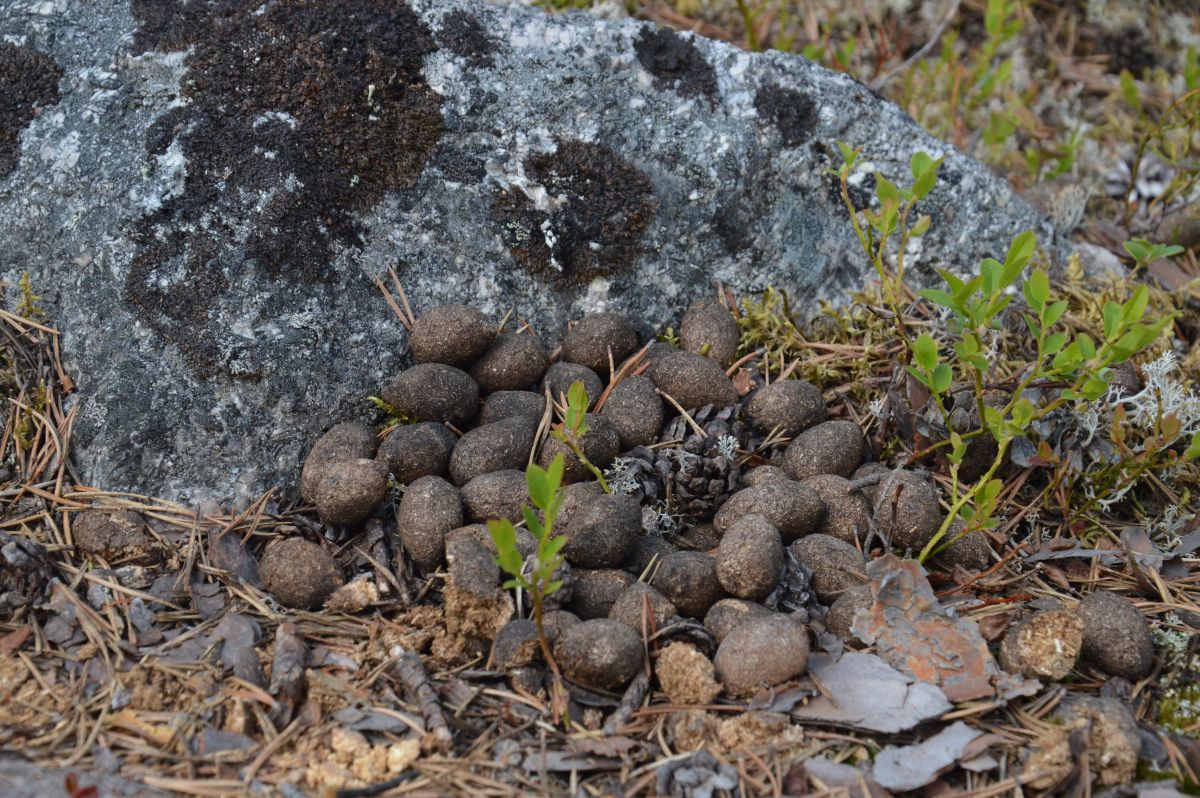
[206,198]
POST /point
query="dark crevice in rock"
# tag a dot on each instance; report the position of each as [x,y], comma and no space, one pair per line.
[28,83]
[297,119]
[604,205]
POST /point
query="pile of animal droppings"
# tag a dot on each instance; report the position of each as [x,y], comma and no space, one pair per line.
[736,534]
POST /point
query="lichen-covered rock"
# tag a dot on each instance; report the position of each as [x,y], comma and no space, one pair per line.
[211,225]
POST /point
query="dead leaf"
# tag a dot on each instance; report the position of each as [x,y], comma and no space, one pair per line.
[913,632]
[913,766]
[742,382]
[225,551]
[617,745]
[992,627]
[863,691]
[287,673]
[12,642]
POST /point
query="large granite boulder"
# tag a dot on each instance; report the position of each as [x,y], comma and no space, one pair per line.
[204,190]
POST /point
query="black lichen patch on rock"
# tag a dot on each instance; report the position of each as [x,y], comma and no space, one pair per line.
[28,83]
[464,35]
[676,62]
[603,206]
[299,116]
[792,113]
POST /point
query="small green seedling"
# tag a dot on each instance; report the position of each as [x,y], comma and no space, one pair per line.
[574,426]
[1144,252]
[538,580]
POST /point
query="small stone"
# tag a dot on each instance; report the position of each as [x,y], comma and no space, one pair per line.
[686,676]
[847,514]
[499,494]
[643,552]
[596,590]
[492,447]
[299,574]
[412,451]
[907,510]
[346,441]
[434,392]
[629,607]
[516,645]
[1044,645]
[789,406]
[600,653]
[841,613]
[561,376]
[763,474]
[836,565]
[689,580]
[601,533]
[831,447]
[1113,740]
[635,411]
[750,558]
[709,329]
[693,381]
[430,508]
[451,334]
[512,363]
[119,535]
[762,652]
[729,613]
[507,404]
[589,340]
[350,491]
[793,509]
[1116,637]
[600,445]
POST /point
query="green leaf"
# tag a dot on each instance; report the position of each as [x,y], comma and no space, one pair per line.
[942,377]
[1037,290]
[1086,347]
[927,179]
[577,404]
[513,584]
[994,420]
[554,475]
[1022,413]
[919,376]
[1054,342]
[1135,307]
[1093,388]
[550,548]
[504,535]
[921,227]
[1130,90]
[925,352]
[1139,249]
[1021,250]
[849,155]
[538,482]
[532,522]
[886,190]
[1112,320]
[552,587]
[1054,312]
[938,297]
